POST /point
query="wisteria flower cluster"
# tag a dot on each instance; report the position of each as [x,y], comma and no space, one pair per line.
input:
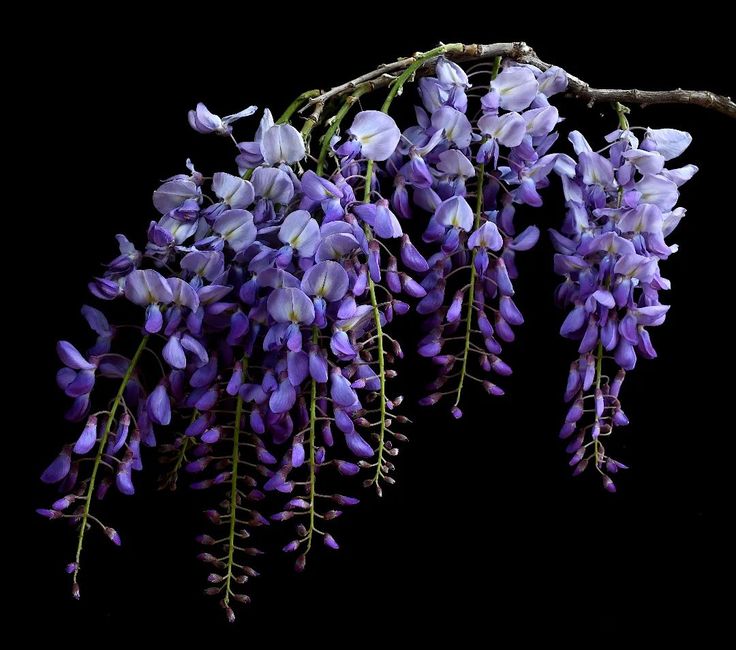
[263,302]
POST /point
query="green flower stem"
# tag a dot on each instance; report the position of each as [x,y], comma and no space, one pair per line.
[392,93]
[622,111]
[296,105]
[98,457]
[381,377]
[234,491]
[312,445]
[480,173]
[481,170]
[598,375]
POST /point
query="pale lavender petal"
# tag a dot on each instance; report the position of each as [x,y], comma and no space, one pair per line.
[455,213]
[328,280]
[455,125]
[233,190]
[377,134]
[669,142]
[290,306]
[282,143]
[301,232]
[516,87]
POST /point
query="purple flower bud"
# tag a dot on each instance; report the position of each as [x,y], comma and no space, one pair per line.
[124,480]
[617,382]
[492,389]
[411,257]
[88,437]
[580,467]
[49,514]
[59,467]
[330,542]
[455,309]
[598,402]
[112,534]
[343,500]
[345,468]
[159,406]
[619,418]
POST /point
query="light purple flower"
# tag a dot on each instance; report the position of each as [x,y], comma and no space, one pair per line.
[282,143]
[516,87]
[376,133]
[203,121]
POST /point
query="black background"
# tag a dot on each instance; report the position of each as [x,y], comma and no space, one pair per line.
[485,535]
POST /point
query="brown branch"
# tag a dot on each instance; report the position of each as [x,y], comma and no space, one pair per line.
[386,73]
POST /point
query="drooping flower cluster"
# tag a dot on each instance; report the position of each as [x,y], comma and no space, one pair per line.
[264,302]
[621,204]
[468,179]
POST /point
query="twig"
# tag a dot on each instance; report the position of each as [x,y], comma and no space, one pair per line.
[521,52]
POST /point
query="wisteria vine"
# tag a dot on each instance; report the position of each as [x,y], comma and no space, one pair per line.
[261,360]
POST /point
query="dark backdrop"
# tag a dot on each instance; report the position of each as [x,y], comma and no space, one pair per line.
[485,534]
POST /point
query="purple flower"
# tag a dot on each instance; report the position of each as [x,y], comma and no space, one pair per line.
[149,289]
[202,121]
[376,133]
[282,143]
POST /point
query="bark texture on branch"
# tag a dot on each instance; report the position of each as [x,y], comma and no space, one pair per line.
[521,52]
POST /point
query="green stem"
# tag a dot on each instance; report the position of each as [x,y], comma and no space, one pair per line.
[381,377]
[234,491]
[100,449]
[296,104]
[598,375]
[312,445]
[392,93]
[496,67]
[622,111]
[481,169]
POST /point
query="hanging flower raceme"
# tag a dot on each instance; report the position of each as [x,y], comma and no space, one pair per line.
[264,302]
[621,204]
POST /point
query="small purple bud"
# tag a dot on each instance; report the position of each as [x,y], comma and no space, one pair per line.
[412,287]
[59,467]
[609,485]
[618,380]
[345,468]
[598,402]
[492,389]
[580,468]
[577,456]
[49,514]
[88,437]
[411,257]
[63,503]
[455,309]
[330,542]
[113,535]
[619,418]
[500,367]
[343,500]
[332,514]
[575,412]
